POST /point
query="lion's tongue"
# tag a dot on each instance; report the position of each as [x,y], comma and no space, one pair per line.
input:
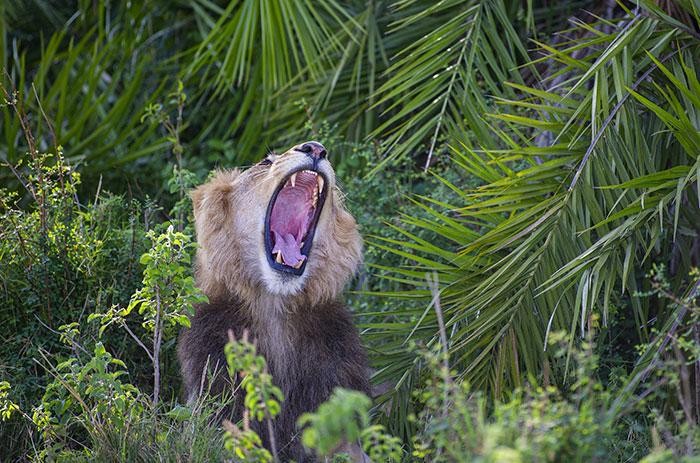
[289,222]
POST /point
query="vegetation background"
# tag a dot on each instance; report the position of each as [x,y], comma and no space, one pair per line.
[525,174]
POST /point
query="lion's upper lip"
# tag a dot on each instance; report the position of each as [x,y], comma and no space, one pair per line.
[291,219]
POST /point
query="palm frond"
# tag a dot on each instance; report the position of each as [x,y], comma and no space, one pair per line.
[441,80]
[566,223]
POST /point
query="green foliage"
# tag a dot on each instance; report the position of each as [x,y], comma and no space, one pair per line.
[262,397]
[53,229]
[181,180]
[7,407]
[168,294]
[344,419]
[380,445]
[85,397]
[340,419]
[245,445]
[100,65]
[245,26]
[666,373]
[537,423]
[90,410]
[59,257]
[262,400]
[166,299]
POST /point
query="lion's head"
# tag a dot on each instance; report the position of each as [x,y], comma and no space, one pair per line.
[276,229]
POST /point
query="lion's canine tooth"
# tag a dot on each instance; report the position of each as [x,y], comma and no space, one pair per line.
[293,178]
[298,265]
[319,180]
[278,259]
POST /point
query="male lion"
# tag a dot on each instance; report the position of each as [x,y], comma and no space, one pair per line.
[276,247]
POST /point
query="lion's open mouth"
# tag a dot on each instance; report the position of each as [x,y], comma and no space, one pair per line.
[291,220]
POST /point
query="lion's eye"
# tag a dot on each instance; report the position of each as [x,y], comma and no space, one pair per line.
[265,162]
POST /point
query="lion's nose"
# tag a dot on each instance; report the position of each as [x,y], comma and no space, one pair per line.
[314,149]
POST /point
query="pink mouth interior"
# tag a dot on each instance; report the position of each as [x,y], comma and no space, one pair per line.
[291,218]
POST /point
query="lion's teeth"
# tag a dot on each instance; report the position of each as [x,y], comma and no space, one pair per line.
[298,265]
[278,259]
[293,179]
[319,179]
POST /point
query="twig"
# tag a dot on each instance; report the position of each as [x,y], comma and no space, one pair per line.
[434,287]
[156,348]
[52,132]
[138,341]
[97,193]
[271,433]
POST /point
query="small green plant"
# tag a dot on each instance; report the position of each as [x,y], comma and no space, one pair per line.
[262,397]
[248,371]
[181,179]
[344,419]
[7,406]
[86,398]
[166,299]
[244,445]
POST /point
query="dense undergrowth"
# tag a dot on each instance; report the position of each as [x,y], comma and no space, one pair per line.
[529,201]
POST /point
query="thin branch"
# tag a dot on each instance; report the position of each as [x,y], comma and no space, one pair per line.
[138,341]
[156,348]
[41,322]
[434,286]
[52,132]
[271,433]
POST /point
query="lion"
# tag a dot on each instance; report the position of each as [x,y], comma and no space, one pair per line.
[276,248]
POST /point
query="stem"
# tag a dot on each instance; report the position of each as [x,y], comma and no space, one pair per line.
[273,442]
[138,341]
[434,286]
[156,350]
[37,191]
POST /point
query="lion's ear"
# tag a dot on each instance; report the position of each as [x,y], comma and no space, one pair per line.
[211,201]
